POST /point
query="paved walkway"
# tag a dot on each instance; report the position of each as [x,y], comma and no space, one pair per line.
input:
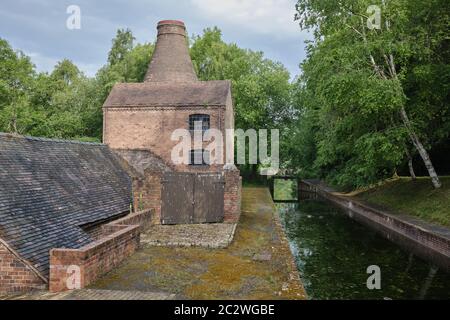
[213,235]
[92,294]
[257,265]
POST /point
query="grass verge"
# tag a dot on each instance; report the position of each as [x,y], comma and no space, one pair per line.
[417,198]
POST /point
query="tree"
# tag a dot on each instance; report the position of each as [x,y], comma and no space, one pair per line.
[16,77]
[122,45]
[261,87]
[379,58]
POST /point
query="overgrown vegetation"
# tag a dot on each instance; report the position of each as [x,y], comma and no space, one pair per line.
[417,198]
[371,100]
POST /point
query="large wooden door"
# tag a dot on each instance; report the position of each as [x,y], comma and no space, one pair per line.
[208,198]
[177,195]
[192,198]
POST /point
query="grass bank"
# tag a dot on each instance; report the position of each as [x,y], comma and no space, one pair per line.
[417,198]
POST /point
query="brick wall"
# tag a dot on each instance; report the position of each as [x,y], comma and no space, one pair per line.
[15,276]
[119,241]
[147,193]
[144,219]
[232,196]
[151,129]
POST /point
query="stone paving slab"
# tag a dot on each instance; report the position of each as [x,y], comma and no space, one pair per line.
[211,235]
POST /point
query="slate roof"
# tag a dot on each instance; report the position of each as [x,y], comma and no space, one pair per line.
[48,188]
[197,93]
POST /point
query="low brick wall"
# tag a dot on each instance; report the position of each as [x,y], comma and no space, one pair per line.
[417,239]
[144,219]
[16,276]
[232,196]
[77,268]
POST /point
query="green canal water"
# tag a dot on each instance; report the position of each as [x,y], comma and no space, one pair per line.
[333,252]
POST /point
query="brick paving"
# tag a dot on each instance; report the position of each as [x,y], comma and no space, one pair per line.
[214,235]
[93,294]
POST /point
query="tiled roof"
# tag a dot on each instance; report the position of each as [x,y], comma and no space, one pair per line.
[198,93]
[48,188]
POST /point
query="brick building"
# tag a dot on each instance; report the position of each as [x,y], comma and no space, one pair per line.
[65,206]
[57,196]
[139,119]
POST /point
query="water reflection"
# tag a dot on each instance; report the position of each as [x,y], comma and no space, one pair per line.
[333,252]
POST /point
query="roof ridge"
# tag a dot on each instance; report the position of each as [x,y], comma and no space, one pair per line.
[12,135]
[172,83]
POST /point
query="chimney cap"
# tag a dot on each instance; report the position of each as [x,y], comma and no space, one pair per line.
[171,22]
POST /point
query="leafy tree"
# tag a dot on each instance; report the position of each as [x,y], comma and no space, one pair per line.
[122,45]
[16,76]
[261,87]
[355,88]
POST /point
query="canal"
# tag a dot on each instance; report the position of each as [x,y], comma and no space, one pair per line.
[332,253]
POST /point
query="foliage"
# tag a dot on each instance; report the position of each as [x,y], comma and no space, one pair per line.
[349,130]
[67,104]
[416,198]
[261,87]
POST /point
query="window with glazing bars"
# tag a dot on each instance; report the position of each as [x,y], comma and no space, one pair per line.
[203,119]
[199,157]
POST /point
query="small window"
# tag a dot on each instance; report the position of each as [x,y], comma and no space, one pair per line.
[202,120]
[199,158]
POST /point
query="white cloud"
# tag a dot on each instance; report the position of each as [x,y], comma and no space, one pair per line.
[269,17]
[47,64]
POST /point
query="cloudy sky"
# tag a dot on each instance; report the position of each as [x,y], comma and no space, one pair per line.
[38,27]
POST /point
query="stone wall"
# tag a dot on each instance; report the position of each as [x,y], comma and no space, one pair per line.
[16,276]
[77,268]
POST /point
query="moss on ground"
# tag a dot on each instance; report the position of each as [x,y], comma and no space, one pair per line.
[417,198]
[231,273]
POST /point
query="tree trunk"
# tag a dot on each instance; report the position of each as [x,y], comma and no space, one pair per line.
[421,149]
[410,164]
[411,169]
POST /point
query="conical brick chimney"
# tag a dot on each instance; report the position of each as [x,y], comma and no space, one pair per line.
[171,61]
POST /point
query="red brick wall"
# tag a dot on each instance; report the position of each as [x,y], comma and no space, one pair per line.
[92,260]
[151,129]
[232,196]
[147,194]
[15,276]
[144,219]
[120,239]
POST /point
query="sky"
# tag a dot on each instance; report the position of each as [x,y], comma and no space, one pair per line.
[38,28]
